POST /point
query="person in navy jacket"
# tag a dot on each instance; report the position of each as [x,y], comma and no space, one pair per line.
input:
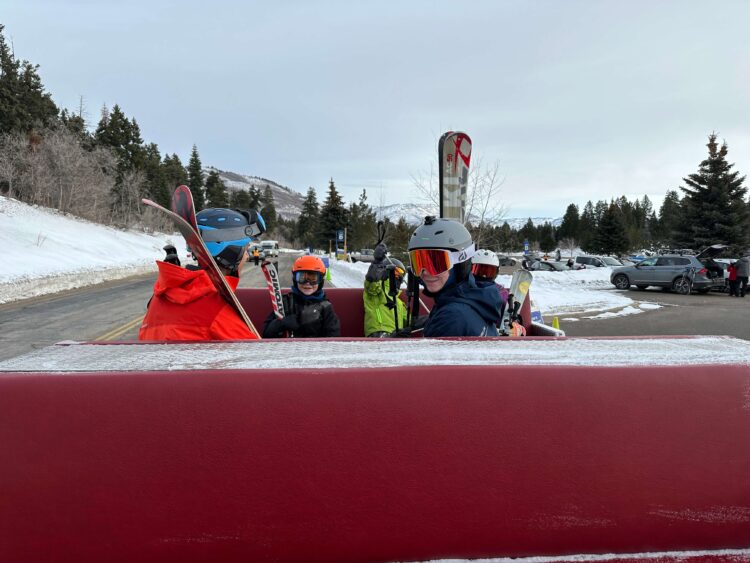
[440,251]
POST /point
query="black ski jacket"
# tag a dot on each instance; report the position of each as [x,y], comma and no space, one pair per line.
[306,317]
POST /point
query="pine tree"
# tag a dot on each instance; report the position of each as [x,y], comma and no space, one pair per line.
[156,185]
[714,202]
[216,191]
[529,232]
[333,216]
[362,221]
[195,179]
[23,102]
[174,172]
[122,136]
[115,131]
[547,237]
[507,240]
[587,226]
[268,210]
[569,227]
[240,199]
[610,237]
[308,220]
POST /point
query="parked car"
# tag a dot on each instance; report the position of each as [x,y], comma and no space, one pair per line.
[506,260]
[680,273]
[548,266]
[612,261]
[364,255]
[589,262]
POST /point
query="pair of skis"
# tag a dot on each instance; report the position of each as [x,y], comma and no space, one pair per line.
[512,323]
[183,217]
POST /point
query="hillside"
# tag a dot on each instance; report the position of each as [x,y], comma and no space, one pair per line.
[288,202]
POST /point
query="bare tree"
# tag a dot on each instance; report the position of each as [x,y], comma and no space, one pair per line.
[129,208]
[569,245]
[53,170]
[484,210]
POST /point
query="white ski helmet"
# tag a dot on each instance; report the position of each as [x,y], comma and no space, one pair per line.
[485,256]
[451,236]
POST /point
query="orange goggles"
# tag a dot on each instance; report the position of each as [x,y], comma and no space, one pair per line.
[435,261]
[484,270]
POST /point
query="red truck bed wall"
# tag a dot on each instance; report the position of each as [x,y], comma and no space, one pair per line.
[372,464]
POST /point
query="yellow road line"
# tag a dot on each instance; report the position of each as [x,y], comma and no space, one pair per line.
[119,331]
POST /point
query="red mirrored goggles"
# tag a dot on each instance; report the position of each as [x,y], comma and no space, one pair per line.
[484,270]
[435,261]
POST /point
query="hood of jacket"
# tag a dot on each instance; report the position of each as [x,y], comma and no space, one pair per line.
[182,286]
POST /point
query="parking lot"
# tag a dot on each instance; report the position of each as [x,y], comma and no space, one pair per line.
[712,313]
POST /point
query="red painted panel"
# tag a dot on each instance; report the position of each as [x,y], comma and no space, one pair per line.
[378,464]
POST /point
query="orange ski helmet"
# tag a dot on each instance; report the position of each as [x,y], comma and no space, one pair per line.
[305,264]
[309,263]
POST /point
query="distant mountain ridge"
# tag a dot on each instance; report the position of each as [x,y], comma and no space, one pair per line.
[288,202]
[414,214]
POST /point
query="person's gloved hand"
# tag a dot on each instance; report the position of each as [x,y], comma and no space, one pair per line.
[376,272]
[289,323]
[401,333]
[380,251]
[277,327]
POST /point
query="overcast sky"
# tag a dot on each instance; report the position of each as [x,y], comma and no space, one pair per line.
[576,100]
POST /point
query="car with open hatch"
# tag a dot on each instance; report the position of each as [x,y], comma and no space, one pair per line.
[679,272]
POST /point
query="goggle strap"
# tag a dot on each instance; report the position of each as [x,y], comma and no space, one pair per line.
[226,235]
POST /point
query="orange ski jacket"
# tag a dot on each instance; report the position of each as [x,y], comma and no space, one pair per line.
[187,306]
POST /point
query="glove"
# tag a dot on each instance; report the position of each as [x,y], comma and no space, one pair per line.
[376,272]
[419,322]
[289,323]
[380,251]
[401,333]
[278,326]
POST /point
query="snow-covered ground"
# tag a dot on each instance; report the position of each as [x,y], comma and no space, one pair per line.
[555,293]
[45,252]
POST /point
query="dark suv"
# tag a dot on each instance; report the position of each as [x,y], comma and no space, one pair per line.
[678,272]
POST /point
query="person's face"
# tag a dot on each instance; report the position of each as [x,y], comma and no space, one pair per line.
[307,283]
[434,283]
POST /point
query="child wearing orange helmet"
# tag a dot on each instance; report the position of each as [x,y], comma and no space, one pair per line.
[308,314]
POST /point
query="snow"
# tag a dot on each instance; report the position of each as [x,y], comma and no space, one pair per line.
[45,251]
[555,293]
[364,353]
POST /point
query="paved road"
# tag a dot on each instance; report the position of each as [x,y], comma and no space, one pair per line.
[108,311]
[713,313]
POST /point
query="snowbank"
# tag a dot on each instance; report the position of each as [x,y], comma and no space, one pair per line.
[46,251]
